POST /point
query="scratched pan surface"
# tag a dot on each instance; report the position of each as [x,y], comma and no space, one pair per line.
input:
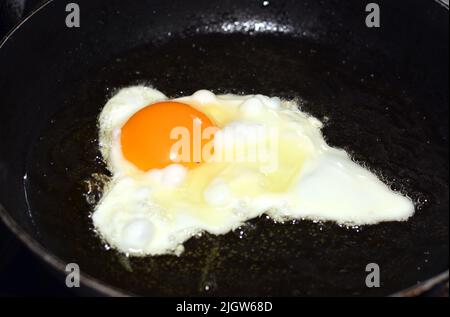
[383,94]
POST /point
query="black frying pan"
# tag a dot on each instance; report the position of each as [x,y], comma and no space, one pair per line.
[384,90]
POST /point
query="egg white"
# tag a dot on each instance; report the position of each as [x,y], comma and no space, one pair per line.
[155,212]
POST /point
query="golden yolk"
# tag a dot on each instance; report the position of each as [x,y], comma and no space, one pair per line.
[149,136]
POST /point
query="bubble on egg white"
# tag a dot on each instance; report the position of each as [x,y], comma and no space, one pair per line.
[136,235]
[218,194]
[275,103]
[155,175]
[252,106]
[204,96]
[173,175]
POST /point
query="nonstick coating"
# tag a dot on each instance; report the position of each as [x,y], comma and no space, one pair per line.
[383,94]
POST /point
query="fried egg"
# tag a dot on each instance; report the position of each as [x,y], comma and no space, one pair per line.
[209,163]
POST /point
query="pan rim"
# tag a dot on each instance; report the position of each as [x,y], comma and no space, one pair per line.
[105,288]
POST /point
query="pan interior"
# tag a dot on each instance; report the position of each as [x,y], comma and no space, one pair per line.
[374,112]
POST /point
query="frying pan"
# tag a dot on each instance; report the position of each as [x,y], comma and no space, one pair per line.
[382,92]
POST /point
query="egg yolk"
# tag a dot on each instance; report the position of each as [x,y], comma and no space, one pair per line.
[149,136]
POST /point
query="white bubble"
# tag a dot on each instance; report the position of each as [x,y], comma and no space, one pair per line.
[137,234]
[173,175]
[217,194]
[252,106]
[204,96]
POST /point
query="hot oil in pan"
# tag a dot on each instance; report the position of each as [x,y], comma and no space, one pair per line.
[368,111]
